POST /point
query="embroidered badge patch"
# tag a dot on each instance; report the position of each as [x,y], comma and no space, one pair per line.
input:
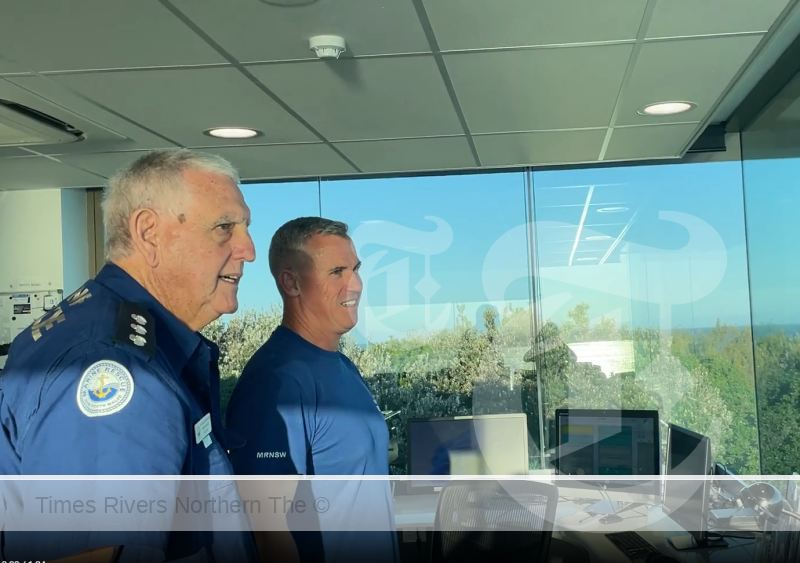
[105,387]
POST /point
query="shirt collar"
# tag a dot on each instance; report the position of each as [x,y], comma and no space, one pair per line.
[175,339]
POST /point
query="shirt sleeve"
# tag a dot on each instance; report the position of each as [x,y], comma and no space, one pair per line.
[106,413]
[275,416]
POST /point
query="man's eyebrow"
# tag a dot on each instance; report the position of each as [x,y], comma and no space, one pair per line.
[227,218]
[332,270]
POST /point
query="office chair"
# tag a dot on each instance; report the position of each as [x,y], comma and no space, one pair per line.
[490,521]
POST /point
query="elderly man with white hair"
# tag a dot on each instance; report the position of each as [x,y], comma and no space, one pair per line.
[117,379]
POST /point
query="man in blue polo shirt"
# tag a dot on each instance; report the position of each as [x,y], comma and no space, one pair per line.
[117,380]
[304,409]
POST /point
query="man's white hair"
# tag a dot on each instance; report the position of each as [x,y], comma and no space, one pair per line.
[153,180]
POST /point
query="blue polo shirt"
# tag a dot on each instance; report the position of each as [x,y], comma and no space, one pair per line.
[111,383]
[305,410]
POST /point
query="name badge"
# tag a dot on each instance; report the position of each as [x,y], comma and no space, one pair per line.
[202,430]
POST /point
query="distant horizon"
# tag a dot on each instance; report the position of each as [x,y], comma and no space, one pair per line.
[361,340]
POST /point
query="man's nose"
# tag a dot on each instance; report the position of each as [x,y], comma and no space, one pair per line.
[245,248]
[355,284]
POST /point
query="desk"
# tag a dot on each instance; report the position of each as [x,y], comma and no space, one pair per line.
[415,514]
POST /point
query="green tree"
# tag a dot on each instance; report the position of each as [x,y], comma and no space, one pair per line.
[778,365]
[238,338]
[700,380]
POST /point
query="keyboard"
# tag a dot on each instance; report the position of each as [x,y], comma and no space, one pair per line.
[634,546]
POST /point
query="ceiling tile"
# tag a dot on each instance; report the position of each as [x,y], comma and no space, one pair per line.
[649,141]
[695,70]
[7,66]
[253,162]
[285,161]
[682,18]
[38,172]
[410,154]
[181,104]
[528,90]
[96,34]
[254,31]
[104,164]
[546,147]
[360,99]
[6,152]
[478,24]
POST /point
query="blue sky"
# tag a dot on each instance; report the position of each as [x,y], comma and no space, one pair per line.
[470,231]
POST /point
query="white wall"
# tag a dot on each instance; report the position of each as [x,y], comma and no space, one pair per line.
[30,241]
[44,254]
[43,240]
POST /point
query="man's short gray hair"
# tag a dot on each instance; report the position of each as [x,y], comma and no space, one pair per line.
[292,237]
[153,180]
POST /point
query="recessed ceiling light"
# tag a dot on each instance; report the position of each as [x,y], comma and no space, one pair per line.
[667,108]
[232,132]
[598,237]
[612,209]
[586,259]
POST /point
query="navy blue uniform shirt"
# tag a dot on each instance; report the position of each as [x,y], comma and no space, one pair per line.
[305,410]
[111,383]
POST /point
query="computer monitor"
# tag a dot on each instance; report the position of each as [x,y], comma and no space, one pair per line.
[687,501]
[613,444]
[494,444]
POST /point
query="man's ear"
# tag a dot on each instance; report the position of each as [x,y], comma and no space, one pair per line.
[290,282]
[143,225]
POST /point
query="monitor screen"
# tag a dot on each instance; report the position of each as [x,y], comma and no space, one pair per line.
[607,442]
[611,444]
[467,445]
[686,501]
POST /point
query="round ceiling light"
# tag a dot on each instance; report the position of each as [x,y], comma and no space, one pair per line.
[232,133]
[667,108]
[612,209]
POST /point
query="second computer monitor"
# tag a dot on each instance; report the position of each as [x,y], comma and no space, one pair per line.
[608,442]
[611,444]
[686,501]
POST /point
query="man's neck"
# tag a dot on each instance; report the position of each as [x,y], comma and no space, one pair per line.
[310,331]
[148,281]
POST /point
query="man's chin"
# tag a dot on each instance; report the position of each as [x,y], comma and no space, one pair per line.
[228,307]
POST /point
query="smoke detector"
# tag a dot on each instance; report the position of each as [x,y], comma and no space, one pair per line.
[327,46]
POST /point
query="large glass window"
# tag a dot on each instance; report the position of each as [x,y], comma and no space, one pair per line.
[525,292]
[643,293]
[444,322]
[771,153]
[260,306]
